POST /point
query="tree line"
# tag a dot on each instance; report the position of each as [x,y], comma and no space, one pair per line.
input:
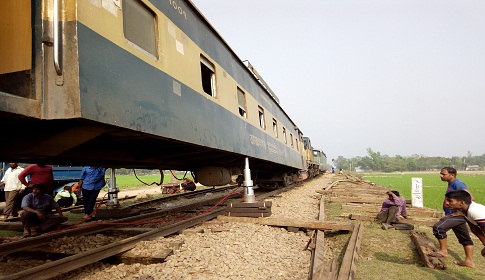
[375,161]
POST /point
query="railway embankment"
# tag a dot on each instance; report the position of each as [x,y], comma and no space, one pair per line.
[232,248]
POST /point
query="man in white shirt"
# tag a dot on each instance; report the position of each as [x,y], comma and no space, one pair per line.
[13,188]
[474,213]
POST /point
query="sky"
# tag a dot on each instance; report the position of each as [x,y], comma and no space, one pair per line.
[400,77]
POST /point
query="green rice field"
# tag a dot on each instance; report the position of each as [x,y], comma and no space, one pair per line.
[433,188]
[130,181]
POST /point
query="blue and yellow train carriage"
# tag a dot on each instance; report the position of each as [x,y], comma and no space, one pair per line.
[136,83]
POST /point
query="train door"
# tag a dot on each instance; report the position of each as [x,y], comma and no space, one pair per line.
[16,47]
[31,57]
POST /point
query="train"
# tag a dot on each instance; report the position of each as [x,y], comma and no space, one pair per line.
[140,84]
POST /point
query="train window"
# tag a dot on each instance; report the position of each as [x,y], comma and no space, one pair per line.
[261,118]
[297,147]
[208,73]
[291,140]
[306,143]
[284,135]
[139,26]
[275,128]
[241,99]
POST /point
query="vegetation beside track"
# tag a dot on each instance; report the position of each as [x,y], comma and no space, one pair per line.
[388,254]
[433,188]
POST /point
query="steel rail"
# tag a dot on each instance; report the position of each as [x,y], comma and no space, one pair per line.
[58,267]
[180,195]
[65,209]
[94,227]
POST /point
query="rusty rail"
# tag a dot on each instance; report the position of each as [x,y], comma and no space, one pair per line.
[91,228]
[58,267]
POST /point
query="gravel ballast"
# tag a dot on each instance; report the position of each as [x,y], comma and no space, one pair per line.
[217,250]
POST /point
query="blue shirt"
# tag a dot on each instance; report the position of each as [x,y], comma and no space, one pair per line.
[44,204]
[457,184]
[93,178]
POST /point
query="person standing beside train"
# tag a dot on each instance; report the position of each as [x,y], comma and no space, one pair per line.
[91,182]
[13,189]
[39,174]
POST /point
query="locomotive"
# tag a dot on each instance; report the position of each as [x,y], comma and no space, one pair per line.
[139,84]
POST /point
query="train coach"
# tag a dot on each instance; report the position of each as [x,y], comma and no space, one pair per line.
[137,84]
[316,160]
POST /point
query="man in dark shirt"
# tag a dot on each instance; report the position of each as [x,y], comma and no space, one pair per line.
[37,216]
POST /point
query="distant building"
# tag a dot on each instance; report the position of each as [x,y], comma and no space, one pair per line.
[472,168]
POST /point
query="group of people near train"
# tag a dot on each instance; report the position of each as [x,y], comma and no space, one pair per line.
[35,198]
[460,209]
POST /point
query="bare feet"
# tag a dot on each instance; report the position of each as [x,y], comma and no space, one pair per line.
[438,254]
[386,226]
[466,263]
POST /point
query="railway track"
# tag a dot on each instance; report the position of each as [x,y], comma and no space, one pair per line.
[199,212]
[52,269]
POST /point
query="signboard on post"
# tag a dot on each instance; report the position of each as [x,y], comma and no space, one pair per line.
[417,192]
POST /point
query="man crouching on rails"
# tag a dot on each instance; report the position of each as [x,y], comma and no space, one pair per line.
[392,209]
[474,212]
[37,216]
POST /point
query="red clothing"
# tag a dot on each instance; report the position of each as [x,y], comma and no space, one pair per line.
[38,175]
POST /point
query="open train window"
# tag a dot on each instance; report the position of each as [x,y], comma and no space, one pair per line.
[241,99]
[284,135]
[208,73]
[261,118]
[275,128]
[291,140]
[139,26]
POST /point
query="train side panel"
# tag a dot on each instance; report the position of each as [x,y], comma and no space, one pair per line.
[116,76]
[122,103]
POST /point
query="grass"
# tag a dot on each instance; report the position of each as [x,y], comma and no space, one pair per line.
[433,188]
[124,182]
[386,254]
